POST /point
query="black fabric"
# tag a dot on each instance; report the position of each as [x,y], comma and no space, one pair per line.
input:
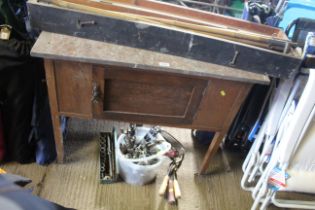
[14,52]
[245,120]
[24,101]
[13,13]
[42,129]
[16,96]
[259,11]
[45,146]
[19,78]
[2,147]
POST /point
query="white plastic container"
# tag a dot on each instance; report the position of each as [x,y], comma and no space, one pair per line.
[134,173]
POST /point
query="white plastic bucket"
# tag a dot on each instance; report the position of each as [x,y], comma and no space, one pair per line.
[134,173]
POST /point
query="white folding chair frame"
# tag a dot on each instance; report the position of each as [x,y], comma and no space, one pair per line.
[254,162]
[287,147]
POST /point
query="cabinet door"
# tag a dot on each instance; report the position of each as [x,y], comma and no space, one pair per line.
[73,83]
[136,95]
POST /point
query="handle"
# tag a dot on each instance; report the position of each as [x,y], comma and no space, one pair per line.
[163,186]
[233,61]
[96,94]
[171,196]
[177,191]
[81,24]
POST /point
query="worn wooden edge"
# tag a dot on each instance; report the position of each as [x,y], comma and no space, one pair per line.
[205,70]
[76,115]
[264,81]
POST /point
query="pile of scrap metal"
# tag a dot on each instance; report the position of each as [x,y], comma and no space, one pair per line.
[142,147]
[171,29]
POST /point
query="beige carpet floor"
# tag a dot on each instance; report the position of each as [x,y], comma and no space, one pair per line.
[76,182]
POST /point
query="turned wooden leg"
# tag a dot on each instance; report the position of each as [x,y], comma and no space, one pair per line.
[51,84]
[212,149]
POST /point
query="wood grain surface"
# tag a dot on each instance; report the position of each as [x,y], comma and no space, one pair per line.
[74,85]
[63,47]
[147,97]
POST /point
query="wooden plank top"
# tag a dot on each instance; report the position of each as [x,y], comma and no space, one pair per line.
[63,47]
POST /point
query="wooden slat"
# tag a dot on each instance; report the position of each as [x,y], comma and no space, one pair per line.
[205,16]
[53,101]
[164,20]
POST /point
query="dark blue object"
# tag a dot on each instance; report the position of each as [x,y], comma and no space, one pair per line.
[42,132]
[202,137]
[45,149]
[252,134]
[14,197]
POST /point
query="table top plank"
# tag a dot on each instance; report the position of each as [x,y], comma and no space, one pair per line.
[63,47]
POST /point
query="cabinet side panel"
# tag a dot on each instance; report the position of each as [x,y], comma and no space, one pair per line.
[74,88]
[219,102]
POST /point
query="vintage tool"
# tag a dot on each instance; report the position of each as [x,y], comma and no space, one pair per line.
[140,148]
[108,163]
[163,186]
[170,186]
[177,192]
[170,196]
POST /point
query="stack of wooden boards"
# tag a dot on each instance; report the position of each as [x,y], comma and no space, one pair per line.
[171,29]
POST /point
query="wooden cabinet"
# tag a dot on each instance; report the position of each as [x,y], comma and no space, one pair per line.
[136,95]
[90,79]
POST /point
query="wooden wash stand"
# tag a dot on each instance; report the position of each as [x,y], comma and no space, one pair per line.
[90,79]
